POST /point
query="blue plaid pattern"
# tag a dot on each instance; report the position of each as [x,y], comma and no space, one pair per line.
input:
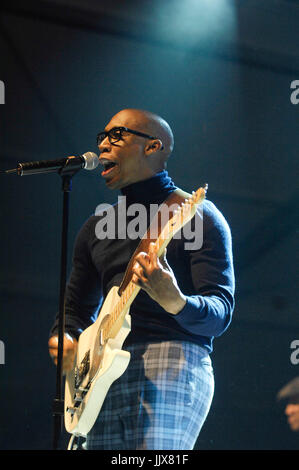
[159,403]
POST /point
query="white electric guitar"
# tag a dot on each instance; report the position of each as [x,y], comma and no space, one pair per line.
[100,359]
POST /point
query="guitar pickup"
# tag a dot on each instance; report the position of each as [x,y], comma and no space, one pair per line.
[82,369]
[78,398]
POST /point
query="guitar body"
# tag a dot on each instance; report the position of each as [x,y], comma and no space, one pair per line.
[103,364]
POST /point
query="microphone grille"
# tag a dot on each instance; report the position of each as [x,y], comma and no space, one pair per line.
[91,160]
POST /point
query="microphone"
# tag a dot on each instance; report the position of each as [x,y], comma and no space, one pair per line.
[87,161]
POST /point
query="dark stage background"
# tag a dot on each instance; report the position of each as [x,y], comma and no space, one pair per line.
[220,73]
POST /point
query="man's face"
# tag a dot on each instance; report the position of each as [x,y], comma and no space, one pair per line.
[127,155]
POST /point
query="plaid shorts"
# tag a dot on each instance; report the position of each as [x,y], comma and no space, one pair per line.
[159,403]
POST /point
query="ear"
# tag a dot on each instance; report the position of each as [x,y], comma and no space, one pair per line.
[154,146]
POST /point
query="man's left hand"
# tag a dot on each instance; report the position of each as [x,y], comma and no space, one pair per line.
[156,277]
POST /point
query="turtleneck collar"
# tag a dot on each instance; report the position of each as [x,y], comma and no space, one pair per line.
[152,190]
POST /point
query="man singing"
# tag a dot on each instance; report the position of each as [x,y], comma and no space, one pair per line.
[186,299]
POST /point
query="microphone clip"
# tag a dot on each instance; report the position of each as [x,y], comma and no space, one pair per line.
[67,172]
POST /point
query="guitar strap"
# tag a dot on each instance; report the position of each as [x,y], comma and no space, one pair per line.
[173,200]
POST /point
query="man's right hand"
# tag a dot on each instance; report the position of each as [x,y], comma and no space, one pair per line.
[69,351]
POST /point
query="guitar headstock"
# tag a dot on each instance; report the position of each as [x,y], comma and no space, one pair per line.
[183,213]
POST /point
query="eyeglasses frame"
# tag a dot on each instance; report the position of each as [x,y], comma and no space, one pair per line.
[123,129]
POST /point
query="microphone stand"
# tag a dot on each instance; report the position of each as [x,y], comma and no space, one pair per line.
[66,173]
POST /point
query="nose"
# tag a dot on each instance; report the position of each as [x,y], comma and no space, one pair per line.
[105,145]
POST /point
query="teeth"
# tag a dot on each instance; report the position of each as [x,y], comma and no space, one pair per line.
[107,163]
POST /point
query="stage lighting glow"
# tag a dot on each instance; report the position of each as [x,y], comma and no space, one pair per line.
[195,21]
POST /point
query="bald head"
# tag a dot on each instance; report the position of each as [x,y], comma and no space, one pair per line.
[152,124]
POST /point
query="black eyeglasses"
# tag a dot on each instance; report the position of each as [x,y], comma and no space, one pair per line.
[116,134]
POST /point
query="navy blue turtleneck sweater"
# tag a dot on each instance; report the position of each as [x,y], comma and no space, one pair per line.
[205,275]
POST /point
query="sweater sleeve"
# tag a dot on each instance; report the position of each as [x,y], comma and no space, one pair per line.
[83,295]
[208,311]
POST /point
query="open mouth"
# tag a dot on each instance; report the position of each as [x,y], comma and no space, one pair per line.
[108,167]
